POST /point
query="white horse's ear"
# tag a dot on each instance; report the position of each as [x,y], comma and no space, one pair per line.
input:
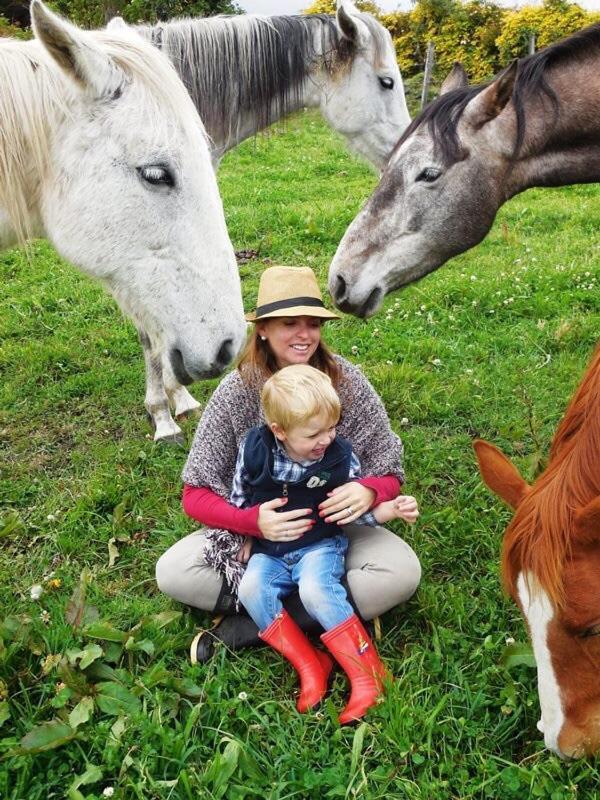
[76,52]
[455,79]
[486,105]
[350,24]
[117,24]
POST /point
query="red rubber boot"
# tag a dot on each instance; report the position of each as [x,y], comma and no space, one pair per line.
[351,647]
[313,666]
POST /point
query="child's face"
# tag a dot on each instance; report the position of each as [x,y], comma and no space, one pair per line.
[307,442]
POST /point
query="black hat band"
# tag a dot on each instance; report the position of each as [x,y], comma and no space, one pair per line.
[289,303]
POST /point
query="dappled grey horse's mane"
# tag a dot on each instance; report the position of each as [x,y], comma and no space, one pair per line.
[443,114]
[251,64]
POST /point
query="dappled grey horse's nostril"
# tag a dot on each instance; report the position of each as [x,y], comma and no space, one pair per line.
[225,354]
[339,290]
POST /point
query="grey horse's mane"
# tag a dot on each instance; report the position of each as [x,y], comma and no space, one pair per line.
[443,114]
[255,65]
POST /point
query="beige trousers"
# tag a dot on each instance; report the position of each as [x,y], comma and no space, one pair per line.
[382,571]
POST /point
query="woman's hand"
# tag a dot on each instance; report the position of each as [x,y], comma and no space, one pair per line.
[347,503]
[283,526]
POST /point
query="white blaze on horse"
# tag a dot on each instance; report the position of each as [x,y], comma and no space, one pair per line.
[103,153]
[466,154]
[246,72]
[551,567]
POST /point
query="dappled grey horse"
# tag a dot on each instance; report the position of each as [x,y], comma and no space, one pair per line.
[537,124]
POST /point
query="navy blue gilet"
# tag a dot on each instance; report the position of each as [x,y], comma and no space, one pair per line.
[319,479]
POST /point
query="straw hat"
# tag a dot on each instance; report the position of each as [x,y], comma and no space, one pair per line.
[289,292]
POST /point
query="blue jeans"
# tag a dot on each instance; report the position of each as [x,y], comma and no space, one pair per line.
[316,570]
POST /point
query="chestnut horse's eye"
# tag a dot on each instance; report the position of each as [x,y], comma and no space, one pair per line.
[593,631]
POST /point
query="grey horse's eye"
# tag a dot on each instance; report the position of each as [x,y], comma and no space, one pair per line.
[429,175]
[386,83]
[157,175]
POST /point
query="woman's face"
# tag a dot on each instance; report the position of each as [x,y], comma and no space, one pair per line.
[293,340]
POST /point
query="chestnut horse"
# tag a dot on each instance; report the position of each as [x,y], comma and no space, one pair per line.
[551,568]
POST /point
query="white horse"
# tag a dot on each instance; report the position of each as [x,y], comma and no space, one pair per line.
[246,72]
[103,153]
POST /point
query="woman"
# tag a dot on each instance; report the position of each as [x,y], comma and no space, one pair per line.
[203,569]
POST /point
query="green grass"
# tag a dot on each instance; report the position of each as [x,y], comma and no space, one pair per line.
[491,345]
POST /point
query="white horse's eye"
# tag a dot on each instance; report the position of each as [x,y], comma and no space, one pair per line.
[157,175]
[386,83]
[428,175]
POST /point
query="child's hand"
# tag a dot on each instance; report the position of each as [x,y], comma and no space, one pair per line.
[402,507]
[406,508]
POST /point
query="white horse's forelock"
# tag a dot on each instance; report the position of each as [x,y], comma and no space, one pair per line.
[35,93]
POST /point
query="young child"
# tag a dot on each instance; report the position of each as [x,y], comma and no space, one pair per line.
[297,455]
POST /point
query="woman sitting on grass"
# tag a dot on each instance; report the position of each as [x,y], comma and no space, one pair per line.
[204,569]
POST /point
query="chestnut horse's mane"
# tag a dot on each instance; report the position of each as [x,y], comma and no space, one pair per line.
[538,539]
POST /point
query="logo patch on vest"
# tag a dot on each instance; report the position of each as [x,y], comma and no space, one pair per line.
[318,480]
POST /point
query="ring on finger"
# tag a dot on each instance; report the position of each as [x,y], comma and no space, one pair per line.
[349,511]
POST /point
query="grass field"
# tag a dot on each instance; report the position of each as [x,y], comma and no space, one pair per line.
[491,345]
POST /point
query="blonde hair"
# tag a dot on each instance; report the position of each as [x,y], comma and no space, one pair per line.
[296,394]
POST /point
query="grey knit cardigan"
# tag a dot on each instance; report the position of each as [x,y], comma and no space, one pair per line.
[234,408]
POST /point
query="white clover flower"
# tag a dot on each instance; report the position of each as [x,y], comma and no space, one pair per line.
[509,640]
[473,277]
[390,363]
[45,617]
[436,362]
[108,791]
[354,350]
[51,517]
[36,591]
[242,696]
[404,421]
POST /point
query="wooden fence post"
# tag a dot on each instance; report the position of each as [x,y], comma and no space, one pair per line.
[429,62]
[531,48]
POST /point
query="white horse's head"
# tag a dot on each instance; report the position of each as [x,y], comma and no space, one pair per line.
[365,101]
[129,194]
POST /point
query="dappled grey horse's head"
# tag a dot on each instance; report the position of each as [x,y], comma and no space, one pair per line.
[437,197]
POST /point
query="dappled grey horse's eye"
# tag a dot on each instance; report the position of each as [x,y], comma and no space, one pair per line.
[428,175]
[157,175]
[386,83]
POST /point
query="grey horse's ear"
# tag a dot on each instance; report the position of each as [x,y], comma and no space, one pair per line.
[455,79]
[117,24]
[76,52]
[350,24]
[486,105]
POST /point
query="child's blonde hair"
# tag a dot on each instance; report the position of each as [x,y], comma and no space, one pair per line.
[295,394]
